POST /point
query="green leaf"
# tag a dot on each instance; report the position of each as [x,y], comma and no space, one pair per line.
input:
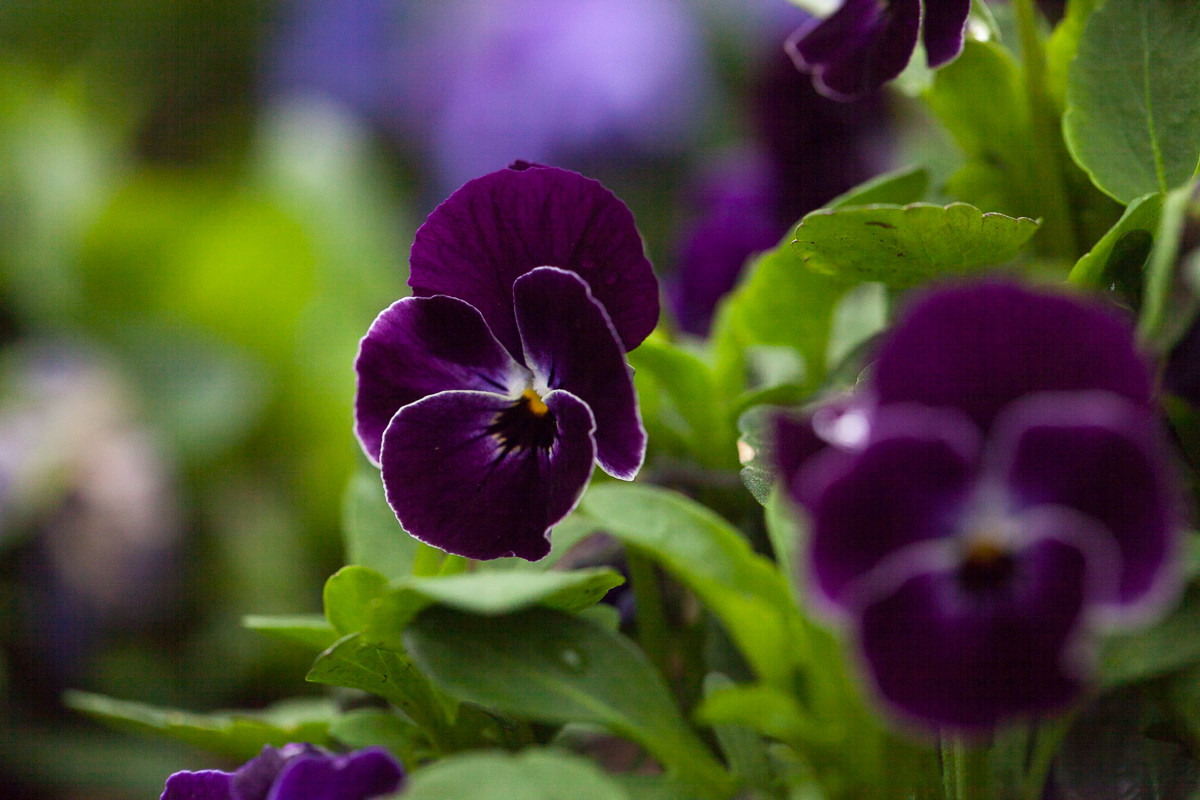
[372,533]
[310,630]
[754,450]
[905,246]
[690,392]
[999,173]
[348,592]
[531,775]
[1133,97]
[1142,216]
[905,185]
[707,555]
[1061,47]
[780,303]
[240,735]
[488,593]
[371,727]
[386,673]
[765,709]
[553,667]
[744,750]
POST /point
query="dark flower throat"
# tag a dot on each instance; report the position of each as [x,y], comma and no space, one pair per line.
[526,424]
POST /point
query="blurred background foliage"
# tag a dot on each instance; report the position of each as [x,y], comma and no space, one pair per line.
[203,205]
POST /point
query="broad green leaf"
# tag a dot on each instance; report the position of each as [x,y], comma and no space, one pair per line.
[534,774]
[310,630]
[372,534]
[744,590]
[898,187]
[488,593]
[371,727]
[999,173]
[386,673]
[1133,97]
[754,450]
[549,666]
[348,593]
[1141,217]
[780,303]
[905,246]
[240,735]
[691,395]
[769,711]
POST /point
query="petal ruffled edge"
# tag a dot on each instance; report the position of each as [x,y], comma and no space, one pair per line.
[421,346]
[453,485]
[498,227]
[570,344]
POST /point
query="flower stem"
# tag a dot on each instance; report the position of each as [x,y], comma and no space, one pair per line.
[966,769]
[1047,738]
[1058,228]
[651,623]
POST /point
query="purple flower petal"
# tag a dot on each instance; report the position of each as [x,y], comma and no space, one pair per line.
[497,228]
[253,780]
[859,47]
[484,476]
[1099,454]
[209,784]
[969,659]
[421,346]
[362,775]
[570,344]
[978,347]
[944,29]
[907,486]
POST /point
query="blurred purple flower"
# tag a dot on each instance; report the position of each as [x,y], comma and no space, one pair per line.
[546,80]
[809,150]
[294,772]
[487,397]
[866,43]
[994,494]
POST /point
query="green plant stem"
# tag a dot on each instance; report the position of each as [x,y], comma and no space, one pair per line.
[966,769]
[1047,738]
[651,623]
[1058,228]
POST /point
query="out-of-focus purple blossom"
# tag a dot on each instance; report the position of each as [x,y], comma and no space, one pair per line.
[337,49]
[294,772]
[808,150]
[993,495]
[545,80]
[866,43]
[488,396]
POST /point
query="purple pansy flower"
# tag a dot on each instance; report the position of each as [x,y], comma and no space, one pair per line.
[994,493]
[488,396]
[866,43]
[294,772]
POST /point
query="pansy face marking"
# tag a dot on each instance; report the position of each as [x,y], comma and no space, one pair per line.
[488,397]
[991,497]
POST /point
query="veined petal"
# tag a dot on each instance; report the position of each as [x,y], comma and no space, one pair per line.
[943,30]
[861,46]
[571,344]
[421,346]
[947,656]
[907,486]
[1099,454]
[980,346]
[362,775]
[497,228]
[456,484]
